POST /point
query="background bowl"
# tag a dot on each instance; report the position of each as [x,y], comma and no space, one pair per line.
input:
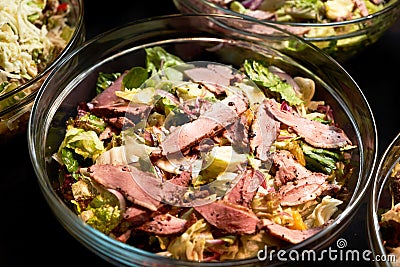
[380,200]
[341,40]
[190,37]
[16,104]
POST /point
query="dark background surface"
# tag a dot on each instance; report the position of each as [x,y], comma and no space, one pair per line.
[30,234]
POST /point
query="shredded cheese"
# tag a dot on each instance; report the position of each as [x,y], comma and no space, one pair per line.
[21,41]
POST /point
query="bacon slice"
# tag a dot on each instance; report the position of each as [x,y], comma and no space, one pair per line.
[315,133]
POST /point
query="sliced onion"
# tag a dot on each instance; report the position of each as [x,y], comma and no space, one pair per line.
[121,198]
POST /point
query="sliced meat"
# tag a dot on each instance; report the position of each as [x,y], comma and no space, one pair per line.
[214,88]
[264,131]
[287,168]
[108,105]
[125,236]
[134,112]
[261,29]
[215,77]
[260,14]
[313,132]
[121,178]
[377,2]
[220,115]
[108,96]
[238,134]
[175,188]
[362,7]
[164,224]
[297,184]
[284,233]
[183,179]
[228,217]
[243,192]
[120,122]
[293,194]
[106,134]
[136,215]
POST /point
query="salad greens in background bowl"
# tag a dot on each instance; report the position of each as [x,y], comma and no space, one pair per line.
[183,140]
[35,35]
[341,28]
[383,209]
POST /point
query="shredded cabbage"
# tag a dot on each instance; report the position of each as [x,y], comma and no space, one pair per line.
[27,42]
[323,212]
[191,244]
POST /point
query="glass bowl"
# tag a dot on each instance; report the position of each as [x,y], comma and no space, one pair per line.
[16,93]
[380,202]
[340,39]
[192,37]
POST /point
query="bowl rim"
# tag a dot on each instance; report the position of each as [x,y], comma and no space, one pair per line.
[380,180]
[347,213]
[385,10]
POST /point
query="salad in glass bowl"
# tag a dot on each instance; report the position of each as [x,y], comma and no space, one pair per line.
[197,163]
[383,210]
[341,28]
[34,36]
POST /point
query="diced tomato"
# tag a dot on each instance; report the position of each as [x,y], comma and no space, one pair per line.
[62,7]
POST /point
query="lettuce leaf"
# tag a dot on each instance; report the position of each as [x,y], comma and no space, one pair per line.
[104,80]
[321,159]
[103,213]
[157,58]
[261,75]
[84,143]
[135,77]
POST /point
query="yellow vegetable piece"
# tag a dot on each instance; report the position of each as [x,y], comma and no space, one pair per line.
[298,223]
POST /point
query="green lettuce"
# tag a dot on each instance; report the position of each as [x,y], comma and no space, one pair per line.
[84,143]
[89,122]
[135,77]
[321,159]
[68,159]
[104,80]
[103,212]
[157,58]
[261,75]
